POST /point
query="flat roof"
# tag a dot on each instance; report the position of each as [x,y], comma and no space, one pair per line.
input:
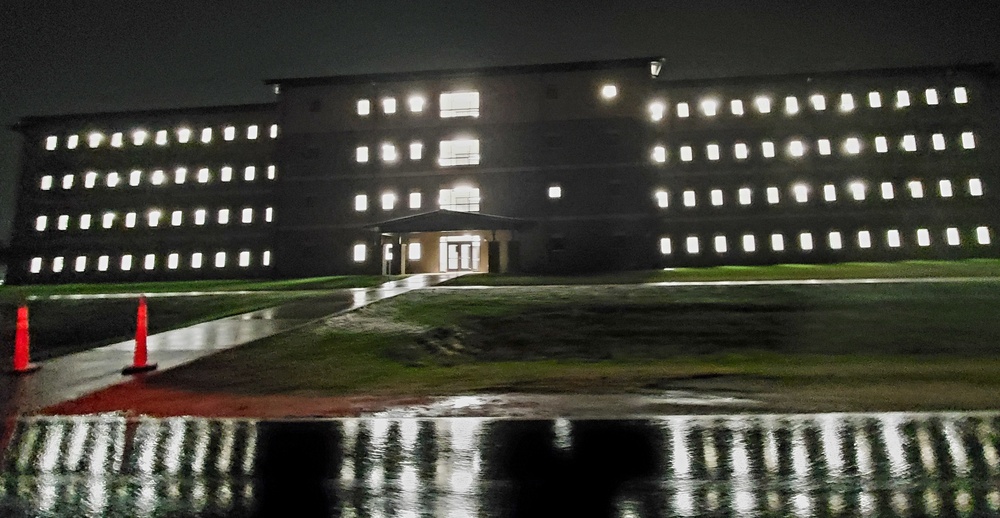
[33,120]
[984,69]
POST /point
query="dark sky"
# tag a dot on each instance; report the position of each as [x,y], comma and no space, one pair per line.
[78,56]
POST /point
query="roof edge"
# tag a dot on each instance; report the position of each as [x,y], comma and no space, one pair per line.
[33,120]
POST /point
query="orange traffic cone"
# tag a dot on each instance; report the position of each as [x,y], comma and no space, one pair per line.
[140,358]
[22,356]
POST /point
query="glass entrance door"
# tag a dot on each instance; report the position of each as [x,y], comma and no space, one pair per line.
[461,257]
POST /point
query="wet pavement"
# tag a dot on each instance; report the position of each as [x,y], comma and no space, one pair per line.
[844,465]
[71,376]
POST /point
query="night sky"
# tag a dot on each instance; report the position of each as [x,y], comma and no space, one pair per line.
[106,55]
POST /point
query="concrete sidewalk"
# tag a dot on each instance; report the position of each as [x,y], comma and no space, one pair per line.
[75,375]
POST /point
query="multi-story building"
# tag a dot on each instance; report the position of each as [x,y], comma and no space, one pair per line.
[545,168]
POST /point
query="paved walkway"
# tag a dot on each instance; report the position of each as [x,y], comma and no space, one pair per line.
[75,375]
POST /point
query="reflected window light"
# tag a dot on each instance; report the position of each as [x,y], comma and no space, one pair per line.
[416,150]
[659,154]
[887,191]
[692,245]
[823,145]
[741,151]
[736,107]
[857,190]
[46,183]
[777,243]
[90,180]
[180,175]
[749,243]
[203,175]
[683,111]
[852,146]
[931,97]
[791,105]
[952,236]
[176,218]
[846,102]
[85,222]
[389,200]
[721,246]
[892,238]
[609,91]
[666,248]
[961,95]
[63,222]
[266,258]
[149,262]
[183,135]
[67,181]
[689,199]
[835,240]
[767,149]
[197,259]
[220,260]
[710,107]
[389,105]
[268,214]
[916,189]
[712,150]
[364,107]
[983,235]
[72,141]
[874,99]
[416,103]
[818,102]
[360,252]
[41,222]
[909,143]
[244,259]
[94,139]
[246,217]
[108,220]
[249,173]
[864,239]
[656,110]
[361,154]
[975,187]
[881,145]
[200,216]
[968,140]
[117,139]
[271,172]
[806,241]
[923,237]
[206,135]
[161,138]
[252,132]
[135,178]
[944,187]
[103,263]
[36,265]
[361,202]
[113,179]
[173,261]
[687,154]
[763,104]
[139,137]
[51,143]
[716,197]
[154,218]
[273,132]
[415,200]
[796,148]
[937,142]
[662,199]
[226,174]
[773,196]
[801,192]
[745,195]
[223,217]
[57,264]
[157,177]
[229,133]
[126,263]
[902,99]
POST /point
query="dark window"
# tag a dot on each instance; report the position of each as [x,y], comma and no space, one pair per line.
[557,244]
[551,92]
[316,105]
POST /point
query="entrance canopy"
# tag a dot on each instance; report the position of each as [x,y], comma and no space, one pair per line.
[443,220]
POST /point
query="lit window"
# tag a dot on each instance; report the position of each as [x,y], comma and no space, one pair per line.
[271,172]
[226,174]
[90,180]
[361,202]
[413,252]
[51,143]
[824,146]
[846,102]
[887,191]
[951,234]
[246,216]
[157,177]
[135,178]
[767,148]
[388,201]
[223,217]
[41,222]
[683,111]
[63,222]
[117,139]
[229,133]
[173,261]
[72,141]
[415,200]
[689,199]
[806,241]
[67,182]
[176,218]
[656,110]
[687,154]
[745,195]
[749,243]
[712,151]
[161,138]
[944,186]
[796,148]
[692,245]
[273,132]
[85,222]
[388,153]
[249,173]
[196,260]
[818,102]
[126,263]
[94,139]
[268,214]
[139,137]
[180,175]
[108,220]
[659,154]
[36,265]
[829,192]
[555,192]
[252,132]
[113,179]
[220,260]
[968,140]
[364,107]
[892,237]
[983,235]
[902,99]
[961,95]
[416,150]
[931,96]
[777,242]
[741,151]
[736,107]
[206,135]
[389,105]
[462,199]
[244,259]
[710,107]
[875,99]
[801,192]
[937,141]
[909,143]
[609,91]
[857,190]
[360,251]
[791,105]
[102,263]
[458,152]
[266,258]
[763,104]
[852,146]
[57,264]
[923,237]
[772,195]
[864,239]
[46,183]
[666,247]
[416,103]
[149,262]
[183,135]
[975,187]
[459,104]
[835,240]
[721,246]
[716,197]
[662,199]
[881,145]
[200,216]
[154,218]
[916,189]
[203,175]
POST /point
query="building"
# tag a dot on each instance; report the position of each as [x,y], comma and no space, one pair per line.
[572,167]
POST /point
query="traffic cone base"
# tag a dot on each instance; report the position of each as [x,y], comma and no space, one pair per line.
[30,368]
[138,369]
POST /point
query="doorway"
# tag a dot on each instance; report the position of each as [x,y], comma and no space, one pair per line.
[460,253]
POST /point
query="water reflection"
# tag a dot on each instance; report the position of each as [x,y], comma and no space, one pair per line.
[807,465]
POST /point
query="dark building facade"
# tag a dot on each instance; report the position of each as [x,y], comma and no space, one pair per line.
[544,168]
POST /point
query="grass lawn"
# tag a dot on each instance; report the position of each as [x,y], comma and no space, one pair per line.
[906,269]
[796,348]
